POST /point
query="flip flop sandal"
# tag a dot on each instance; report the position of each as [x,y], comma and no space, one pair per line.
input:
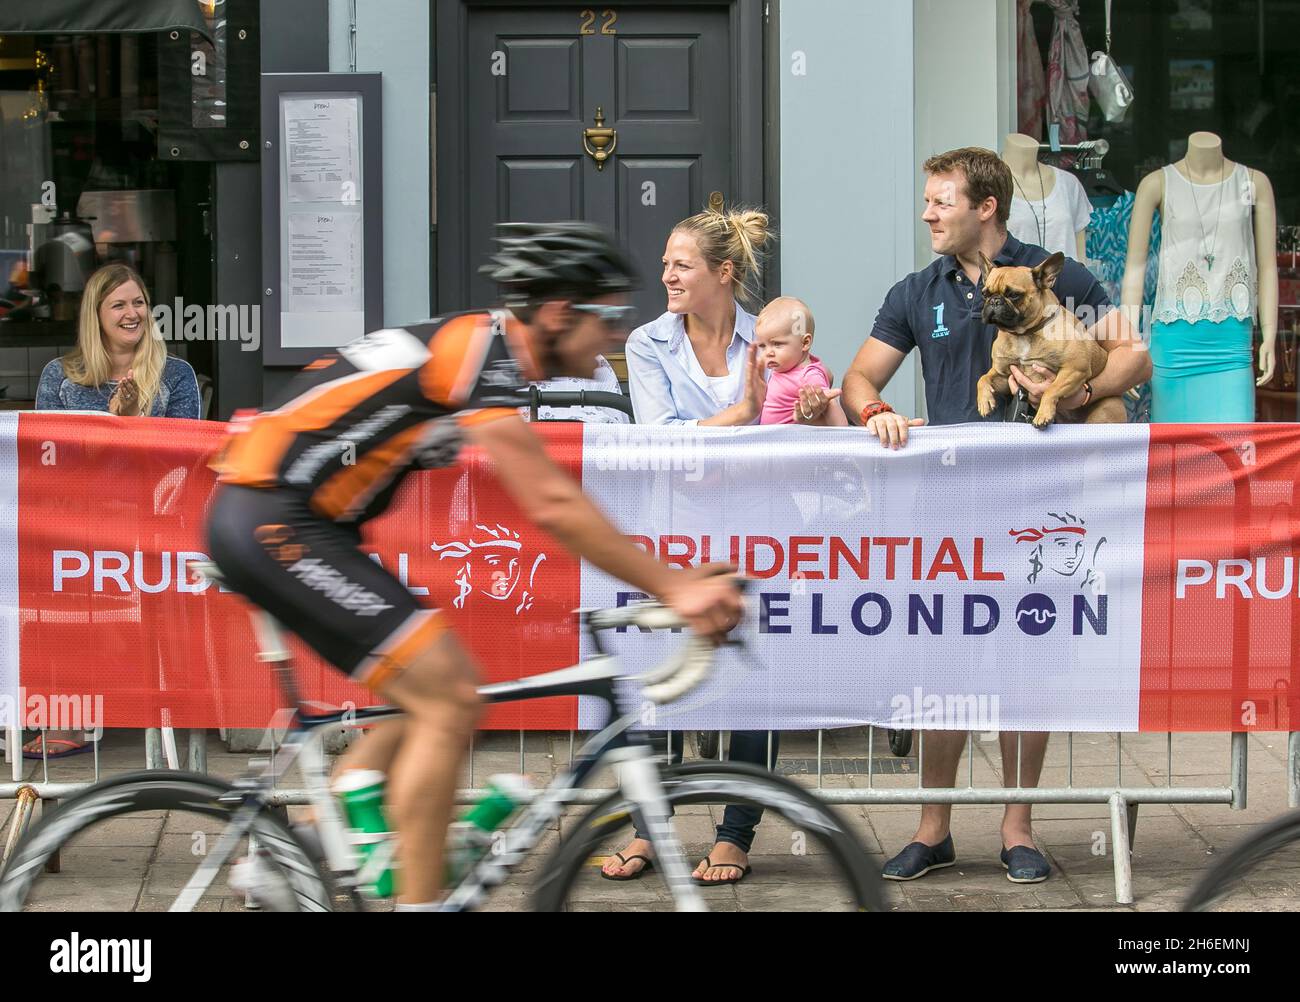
[745,871]
[72,749]
[649,865]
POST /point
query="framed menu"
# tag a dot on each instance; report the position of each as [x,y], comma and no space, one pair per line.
[322,214]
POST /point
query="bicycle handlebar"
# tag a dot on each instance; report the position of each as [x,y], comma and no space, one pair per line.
[683,670]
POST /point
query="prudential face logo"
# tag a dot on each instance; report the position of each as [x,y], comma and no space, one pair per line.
[1060,546]
[493,563]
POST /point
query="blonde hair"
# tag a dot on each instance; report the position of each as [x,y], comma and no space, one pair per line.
[792,312]
[740,236]
[89,363]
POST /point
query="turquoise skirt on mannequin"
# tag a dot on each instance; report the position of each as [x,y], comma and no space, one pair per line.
[1204,373]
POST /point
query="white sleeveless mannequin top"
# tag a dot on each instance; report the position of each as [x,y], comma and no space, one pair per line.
[1207,250]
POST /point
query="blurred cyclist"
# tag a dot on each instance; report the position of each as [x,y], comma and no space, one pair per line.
[299,481]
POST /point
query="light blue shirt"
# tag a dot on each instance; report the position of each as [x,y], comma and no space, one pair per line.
[667,382]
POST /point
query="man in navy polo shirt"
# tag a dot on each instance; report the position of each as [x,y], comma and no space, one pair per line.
[937,311]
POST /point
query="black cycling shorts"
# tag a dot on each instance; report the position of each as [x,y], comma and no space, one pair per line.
[311,575]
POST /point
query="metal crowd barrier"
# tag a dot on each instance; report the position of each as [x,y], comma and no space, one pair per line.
[1123,801]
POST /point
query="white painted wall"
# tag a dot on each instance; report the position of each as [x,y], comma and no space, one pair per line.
[964,74]
[393,39]
[848,169]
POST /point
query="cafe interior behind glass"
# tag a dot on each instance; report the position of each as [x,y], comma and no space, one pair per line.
[82,184]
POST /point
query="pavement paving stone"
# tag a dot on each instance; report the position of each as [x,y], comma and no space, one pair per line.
[151,855]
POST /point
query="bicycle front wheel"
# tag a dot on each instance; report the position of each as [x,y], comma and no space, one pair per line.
[1240,878]
[134,843]
[804,856]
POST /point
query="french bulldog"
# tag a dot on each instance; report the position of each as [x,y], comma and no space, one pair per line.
[1035,329]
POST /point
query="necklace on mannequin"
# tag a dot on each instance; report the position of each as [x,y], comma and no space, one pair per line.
[1208,257]
[1288,361]
[1039,226]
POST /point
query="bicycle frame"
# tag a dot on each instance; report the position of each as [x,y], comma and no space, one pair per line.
[639,779]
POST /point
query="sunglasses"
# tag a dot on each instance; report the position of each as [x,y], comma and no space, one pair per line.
[612,316]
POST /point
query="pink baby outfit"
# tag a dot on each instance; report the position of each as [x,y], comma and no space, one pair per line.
[783,390]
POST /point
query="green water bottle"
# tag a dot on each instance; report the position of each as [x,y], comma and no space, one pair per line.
[504,794]
[471,836]
[362,794]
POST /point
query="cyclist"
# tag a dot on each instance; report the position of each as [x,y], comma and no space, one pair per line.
[297,483]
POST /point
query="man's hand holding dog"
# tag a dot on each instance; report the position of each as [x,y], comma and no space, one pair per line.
[1038,383]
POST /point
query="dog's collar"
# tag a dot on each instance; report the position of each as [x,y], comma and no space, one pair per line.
[1047,319]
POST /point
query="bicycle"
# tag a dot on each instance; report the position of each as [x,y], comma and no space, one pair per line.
[319,866]
[1277,842]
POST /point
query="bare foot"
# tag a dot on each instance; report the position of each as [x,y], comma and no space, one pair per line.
[637,847]
[727,863]
[56,743]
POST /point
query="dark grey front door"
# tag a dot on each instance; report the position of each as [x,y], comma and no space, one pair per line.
[666,78]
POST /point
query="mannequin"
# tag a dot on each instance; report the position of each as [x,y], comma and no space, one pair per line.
[1037,217]
[1218,270]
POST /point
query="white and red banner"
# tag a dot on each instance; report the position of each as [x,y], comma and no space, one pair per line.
[994,577]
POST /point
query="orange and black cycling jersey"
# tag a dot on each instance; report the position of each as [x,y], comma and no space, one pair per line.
[355,420]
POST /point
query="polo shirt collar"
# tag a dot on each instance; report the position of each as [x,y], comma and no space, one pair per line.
[672,328]
[1009,254]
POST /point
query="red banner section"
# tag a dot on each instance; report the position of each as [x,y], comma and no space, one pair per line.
[111,514]
[1220,613]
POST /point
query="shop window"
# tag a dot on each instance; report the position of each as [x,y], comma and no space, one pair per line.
[1228,68]
[81,185]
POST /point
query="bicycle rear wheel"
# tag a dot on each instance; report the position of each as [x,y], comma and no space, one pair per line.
[802,846]
[1239,879]
[133,842]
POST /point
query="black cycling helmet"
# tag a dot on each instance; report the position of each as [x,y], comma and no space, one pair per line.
[536,261]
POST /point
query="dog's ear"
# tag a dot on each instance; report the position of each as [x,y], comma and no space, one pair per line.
[985,266]
[1045,274]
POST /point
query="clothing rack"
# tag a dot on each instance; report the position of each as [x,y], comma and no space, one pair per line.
[1101,146]
[1091,153]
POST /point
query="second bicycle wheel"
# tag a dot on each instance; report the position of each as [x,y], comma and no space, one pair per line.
[134,842]
[1241,876]
[804,857]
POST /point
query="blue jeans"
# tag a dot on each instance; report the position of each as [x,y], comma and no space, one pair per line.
[738,822]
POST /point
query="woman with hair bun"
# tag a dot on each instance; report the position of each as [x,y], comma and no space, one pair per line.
[696,366]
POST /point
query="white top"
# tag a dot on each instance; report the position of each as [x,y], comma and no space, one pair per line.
[1054,223]
[668,384]
[604,380]
[725,389]
[1207,250]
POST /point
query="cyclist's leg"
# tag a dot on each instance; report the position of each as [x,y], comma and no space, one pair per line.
[438,690]
[310,575]
[375,749]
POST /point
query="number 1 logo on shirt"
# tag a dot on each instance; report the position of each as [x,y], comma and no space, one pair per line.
[939,329]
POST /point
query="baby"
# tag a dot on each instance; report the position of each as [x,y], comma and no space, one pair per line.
[783,335]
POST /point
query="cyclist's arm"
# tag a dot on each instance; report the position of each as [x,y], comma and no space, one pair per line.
[555,502]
